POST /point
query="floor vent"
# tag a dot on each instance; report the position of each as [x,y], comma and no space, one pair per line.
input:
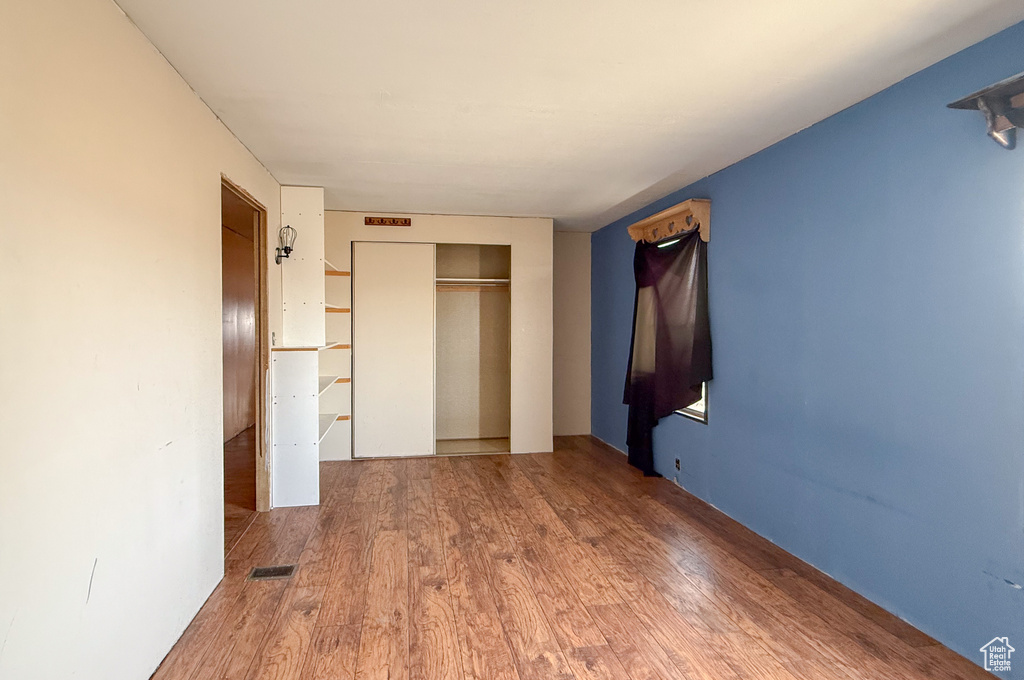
[271,573]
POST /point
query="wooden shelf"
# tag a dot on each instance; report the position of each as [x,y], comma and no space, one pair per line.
[691,214]
[334,309]
[336,272]
[326,420]
[343,380]
[325,382]
[311,348]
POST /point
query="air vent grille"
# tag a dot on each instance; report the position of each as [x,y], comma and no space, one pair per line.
[270,573]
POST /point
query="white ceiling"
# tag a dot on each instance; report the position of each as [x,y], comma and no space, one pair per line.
[581,110]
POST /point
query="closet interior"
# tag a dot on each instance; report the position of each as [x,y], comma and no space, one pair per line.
[472,351]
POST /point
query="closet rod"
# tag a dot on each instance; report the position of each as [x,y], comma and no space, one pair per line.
[470,287]
[473,282]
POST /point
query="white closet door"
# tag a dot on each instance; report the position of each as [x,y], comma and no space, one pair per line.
[393,349]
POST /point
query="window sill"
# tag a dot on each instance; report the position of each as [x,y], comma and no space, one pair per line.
[693,415]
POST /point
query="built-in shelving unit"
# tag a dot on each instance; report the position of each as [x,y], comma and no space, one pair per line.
[334,396]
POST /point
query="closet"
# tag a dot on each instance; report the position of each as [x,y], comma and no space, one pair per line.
[430,349]
[473,376]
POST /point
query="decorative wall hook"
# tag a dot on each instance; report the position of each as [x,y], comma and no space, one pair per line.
[286,237]
[1002,105]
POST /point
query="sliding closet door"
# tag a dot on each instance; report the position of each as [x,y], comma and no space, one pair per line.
[392,349]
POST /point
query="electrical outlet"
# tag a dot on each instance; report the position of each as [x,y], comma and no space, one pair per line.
[677,464]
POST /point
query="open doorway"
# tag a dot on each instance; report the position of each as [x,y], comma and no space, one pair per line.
[242,287]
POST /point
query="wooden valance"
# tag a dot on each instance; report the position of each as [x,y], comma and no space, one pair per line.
[684,216]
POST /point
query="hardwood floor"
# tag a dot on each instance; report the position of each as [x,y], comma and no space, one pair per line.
[239,486]
[564,565]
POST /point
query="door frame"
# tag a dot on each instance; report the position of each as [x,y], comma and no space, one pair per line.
[262,367]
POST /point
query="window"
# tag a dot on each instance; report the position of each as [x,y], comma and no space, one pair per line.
[698,410]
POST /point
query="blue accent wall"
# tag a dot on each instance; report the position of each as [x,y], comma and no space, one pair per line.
[866,284]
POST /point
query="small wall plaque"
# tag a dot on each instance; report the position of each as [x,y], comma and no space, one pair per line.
[387,221]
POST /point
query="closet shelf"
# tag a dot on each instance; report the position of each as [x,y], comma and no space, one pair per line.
[311,348]
[336,272]
[325,382]
[326,420]
[335,309]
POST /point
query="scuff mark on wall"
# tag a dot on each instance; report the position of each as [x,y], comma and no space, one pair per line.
[3,646]
[1007,581]
[92,575]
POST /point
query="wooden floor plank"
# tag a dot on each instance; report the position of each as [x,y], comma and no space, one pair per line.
[391,515]
[239,485]
[589,581]
[485,649]
[533,644]
[288,640]
[566,565]
[433,636]
[321,550]
[332,655]
[345,599]
[384,640]
[238,641]
[640,654]
[571,622]
[595,663]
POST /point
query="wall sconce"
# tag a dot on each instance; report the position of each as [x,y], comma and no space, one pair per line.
[286,237]
[1003,107]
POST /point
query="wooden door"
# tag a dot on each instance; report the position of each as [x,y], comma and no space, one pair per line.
[392,349]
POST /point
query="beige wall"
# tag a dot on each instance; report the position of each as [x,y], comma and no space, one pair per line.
[572,333]
[111,516]
[472,369]
[531,290]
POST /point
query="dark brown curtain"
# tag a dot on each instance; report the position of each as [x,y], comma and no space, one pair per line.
[670,354]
